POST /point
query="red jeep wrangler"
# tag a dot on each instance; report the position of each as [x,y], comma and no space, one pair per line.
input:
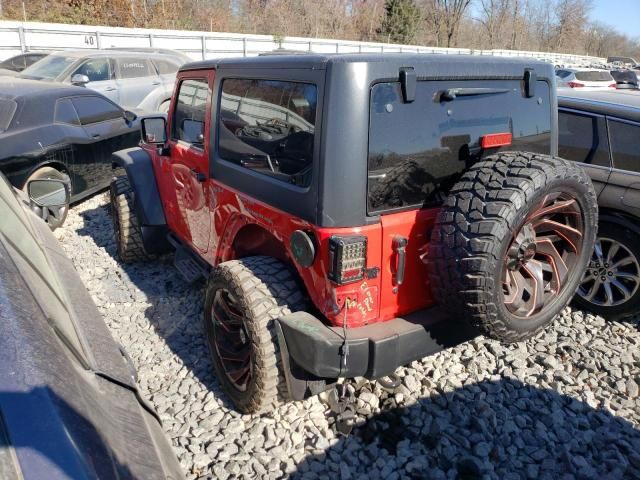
[355,213]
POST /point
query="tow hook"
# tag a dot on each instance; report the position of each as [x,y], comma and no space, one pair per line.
[345,408]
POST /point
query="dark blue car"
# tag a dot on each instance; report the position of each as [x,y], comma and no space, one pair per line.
[69,405]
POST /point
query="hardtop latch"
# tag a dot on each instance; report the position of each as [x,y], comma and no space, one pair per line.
[408,82]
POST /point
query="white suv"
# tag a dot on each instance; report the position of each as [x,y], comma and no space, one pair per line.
[584,78]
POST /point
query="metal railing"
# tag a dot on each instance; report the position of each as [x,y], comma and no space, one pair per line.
[16,37]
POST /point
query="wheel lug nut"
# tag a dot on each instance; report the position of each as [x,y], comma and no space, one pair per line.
[610,274]
[603,278]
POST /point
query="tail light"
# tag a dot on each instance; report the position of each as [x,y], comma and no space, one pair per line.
[493,140]
[347,258]
[613,85]
[575,84]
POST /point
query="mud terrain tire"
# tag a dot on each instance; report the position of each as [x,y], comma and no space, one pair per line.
[473,254]
[126,229]
[261,290]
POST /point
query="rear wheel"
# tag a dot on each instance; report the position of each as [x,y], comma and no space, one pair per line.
[243,299]
[55,216]
[512,242]
[611,284]
[126,229]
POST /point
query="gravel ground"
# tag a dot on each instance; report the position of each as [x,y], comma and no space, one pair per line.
[562,405]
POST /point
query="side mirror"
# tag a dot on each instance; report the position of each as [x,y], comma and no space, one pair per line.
[79,79]
[129,116]
[48,193]
[154,130]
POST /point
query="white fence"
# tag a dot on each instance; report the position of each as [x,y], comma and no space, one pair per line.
[17,37]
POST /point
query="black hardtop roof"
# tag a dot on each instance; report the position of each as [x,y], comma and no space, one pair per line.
[424,64]
[16,88]
[623,104]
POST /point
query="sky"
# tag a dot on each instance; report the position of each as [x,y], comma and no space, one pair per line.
[624,15]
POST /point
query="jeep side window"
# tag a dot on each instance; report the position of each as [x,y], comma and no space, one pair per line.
[583,138]
[624,145]
[190,111]
[268,126]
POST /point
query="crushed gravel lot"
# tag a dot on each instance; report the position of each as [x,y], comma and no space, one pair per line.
[563,405]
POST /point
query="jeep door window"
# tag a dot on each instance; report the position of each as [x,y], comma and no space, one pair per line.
[583,138]
[624,145]
[418,149]
[190,111]
[268,126]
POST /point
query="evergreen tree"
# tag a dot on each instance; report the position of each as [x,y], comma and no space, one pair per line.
[400,22]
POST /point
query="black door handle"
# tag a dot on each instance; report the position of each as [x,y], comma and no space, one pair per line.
[201,177]
[400,247]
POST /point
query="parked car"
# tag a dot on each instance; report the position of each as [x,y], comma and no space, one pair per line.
[19,62]
[180,57]
[601,130]
[584,78]
[355,213]
[49,130]
[69,403]
[622,60]
[126,78]
[625,79]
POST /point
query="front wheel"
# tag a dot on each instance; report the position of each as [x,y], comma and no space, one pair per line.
[611,284]
[126,229]
[512,241]
[243,299]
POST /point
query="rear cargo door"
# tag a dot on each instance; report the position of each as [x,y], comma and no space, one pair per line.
[418,149]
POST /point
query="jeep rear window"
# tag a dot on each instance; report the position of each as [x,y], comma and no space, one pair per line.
[268,126]
[418,149]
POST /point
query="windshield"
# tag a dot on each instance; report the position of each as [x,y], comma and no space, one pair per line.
[49,68]
[594,76]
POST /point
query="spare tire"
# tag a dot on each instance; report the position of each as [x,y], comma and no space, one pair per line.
[512,241]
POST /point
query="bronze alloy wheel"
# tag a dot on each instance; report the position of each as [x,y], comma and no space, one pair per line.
[542,254]
[232,342]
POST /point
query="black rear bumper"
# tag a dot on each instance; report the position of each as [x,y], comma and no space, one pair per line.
[374,350]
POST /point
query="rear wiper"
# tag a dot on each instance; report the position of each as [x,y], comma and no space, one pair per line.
[451,93]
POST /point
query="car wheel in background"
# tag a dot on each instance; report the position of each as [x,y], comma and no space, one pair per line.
[611,284]
[55,215]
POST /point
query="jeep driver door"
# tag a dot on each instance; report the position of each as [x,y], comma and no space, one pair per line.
[189,156]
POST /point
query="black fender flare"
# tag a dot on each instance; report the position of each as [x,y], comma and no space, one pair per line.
[137,163]
[147,203]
